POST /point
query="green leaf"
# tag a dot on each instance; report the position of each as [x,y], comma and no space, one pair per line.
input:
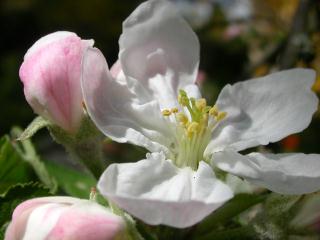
[28,153]
[2,230]
[232,208]
[16,194]
[13,168]
[72,182]
[37,124]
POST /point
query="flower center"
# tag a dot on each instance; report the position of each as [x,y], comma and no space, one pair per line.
[194,126]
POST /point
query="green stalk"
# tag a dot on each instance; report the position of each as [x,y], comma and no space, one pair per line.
[85,146]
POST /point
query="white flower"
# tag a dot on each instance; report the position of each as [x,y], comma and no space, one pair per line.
[149,98]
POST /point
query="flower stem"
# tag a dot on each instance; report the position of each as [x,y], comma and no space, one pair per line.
[84,147]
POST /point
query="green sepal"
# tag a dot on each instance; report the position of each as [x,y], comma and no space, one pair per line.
[273,222]
[37,124]
[85,146]
[131,232]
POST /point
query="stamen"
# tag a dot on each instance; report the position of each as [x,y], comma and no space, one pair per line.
[166,112]
[204,120]
[214,111]
[174,110]
[182,119]
[207,109]
[192,128]
[221,116]
[201,104]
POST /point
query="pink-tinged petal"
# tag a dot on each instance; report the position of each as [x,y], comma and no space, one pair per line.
[159,50]
[157,192]
[44,41]
[264,110]
[42,220]
[295,173]
[95,222]
[51,74]
[20,216]
[116,69]
[119,113]
[63,218]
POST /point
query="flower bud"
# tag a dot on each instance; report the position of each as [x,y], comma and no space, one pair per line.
[51,74]
[63,218]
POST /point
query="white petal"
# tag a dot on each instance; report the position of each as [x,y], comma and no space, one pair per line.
[116,111]
[159,50]
[239,185]
[265,110]
[282,173]
[157,192]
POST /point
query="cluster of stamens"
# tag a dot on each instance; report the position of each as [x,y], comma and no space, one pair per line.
[194,131]
[199,113]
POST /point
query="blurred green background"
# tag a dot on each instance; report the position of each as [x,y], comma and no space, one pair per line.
[240,39]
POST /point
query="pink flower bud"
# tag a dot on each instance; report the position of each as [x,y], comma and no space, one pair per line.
[51,74]
[62,218]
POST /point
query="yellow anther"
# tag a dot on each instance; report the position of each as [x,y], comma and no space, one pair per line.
[206,109]
[192,128]
[174,110]
[166,112]
[204,119]
[221,115]
[182,118]
[214,111]
[201,103]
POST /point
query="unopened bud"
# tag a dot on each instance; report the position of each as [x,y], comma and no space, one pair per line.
[51,74]
[63,218]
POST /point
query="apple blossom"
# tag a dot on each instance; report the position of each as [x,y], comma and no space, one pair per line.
[51,73]
[149,98]
[63,218]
